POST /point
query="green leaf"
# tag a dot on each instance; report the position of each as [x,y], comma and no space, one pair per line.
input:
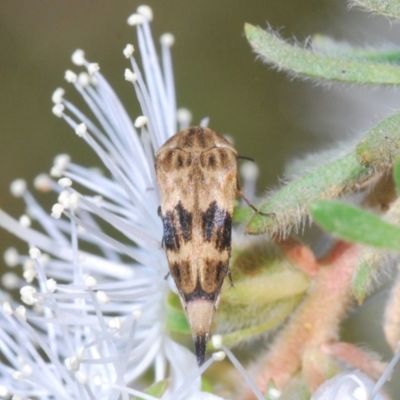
[375,153]
[381,145]
[355,225]
[303,61]
[157,389]
[288,206]
[396,175]
[372,260]
[388,8]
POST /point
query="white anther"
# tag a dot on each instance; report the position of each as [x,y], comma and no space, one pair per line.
[65,182]
[249,171]
[7,308]
[81,129]
[29,275]
[137,313]
[28,264]
[34,253]
[128,50]
[20,313]
[18,187]
[42,183]
[61,162]
[184,116]
[51,285]
[81,377]
[115,323]
[130,76]
[4,392]
[167,39]
[93,68]
[97,380]
[57,210]
[16,375]
[74,201]
[70,76]
[58,110]
[25,221]
[89,281]
[55,172]
[146,11]
[10,280]
[80,353]
[216,341]
[84,79]
[141,121]
[28,295]
[57,96]
[11,257]
[78,57]
[102,297]
[63,198]
[26,370]
[218,355]
[72,363]
[135,19]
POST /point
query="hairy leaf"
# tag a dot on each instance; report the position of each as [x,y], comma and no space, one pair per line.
[388,8]
[305,62]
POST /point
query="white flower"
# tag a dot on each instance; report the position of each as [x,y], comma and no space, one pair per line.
[97,315]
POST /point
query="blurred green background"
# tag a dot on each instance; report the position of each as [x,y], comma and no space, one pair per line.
[272,117]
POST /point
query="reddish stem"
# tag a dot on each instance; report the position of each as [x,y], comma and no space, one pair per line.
[315,322]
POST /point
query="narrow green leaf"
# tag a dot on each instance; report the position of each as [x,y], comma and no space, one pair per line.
[303,61]
[356,225]
[388,8]
[396,175]
[288,206]
[381,145]
[372,260]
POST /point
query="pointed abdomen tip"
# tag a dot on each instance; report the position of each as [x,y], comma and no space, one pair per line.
[200,314]
[200,344]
